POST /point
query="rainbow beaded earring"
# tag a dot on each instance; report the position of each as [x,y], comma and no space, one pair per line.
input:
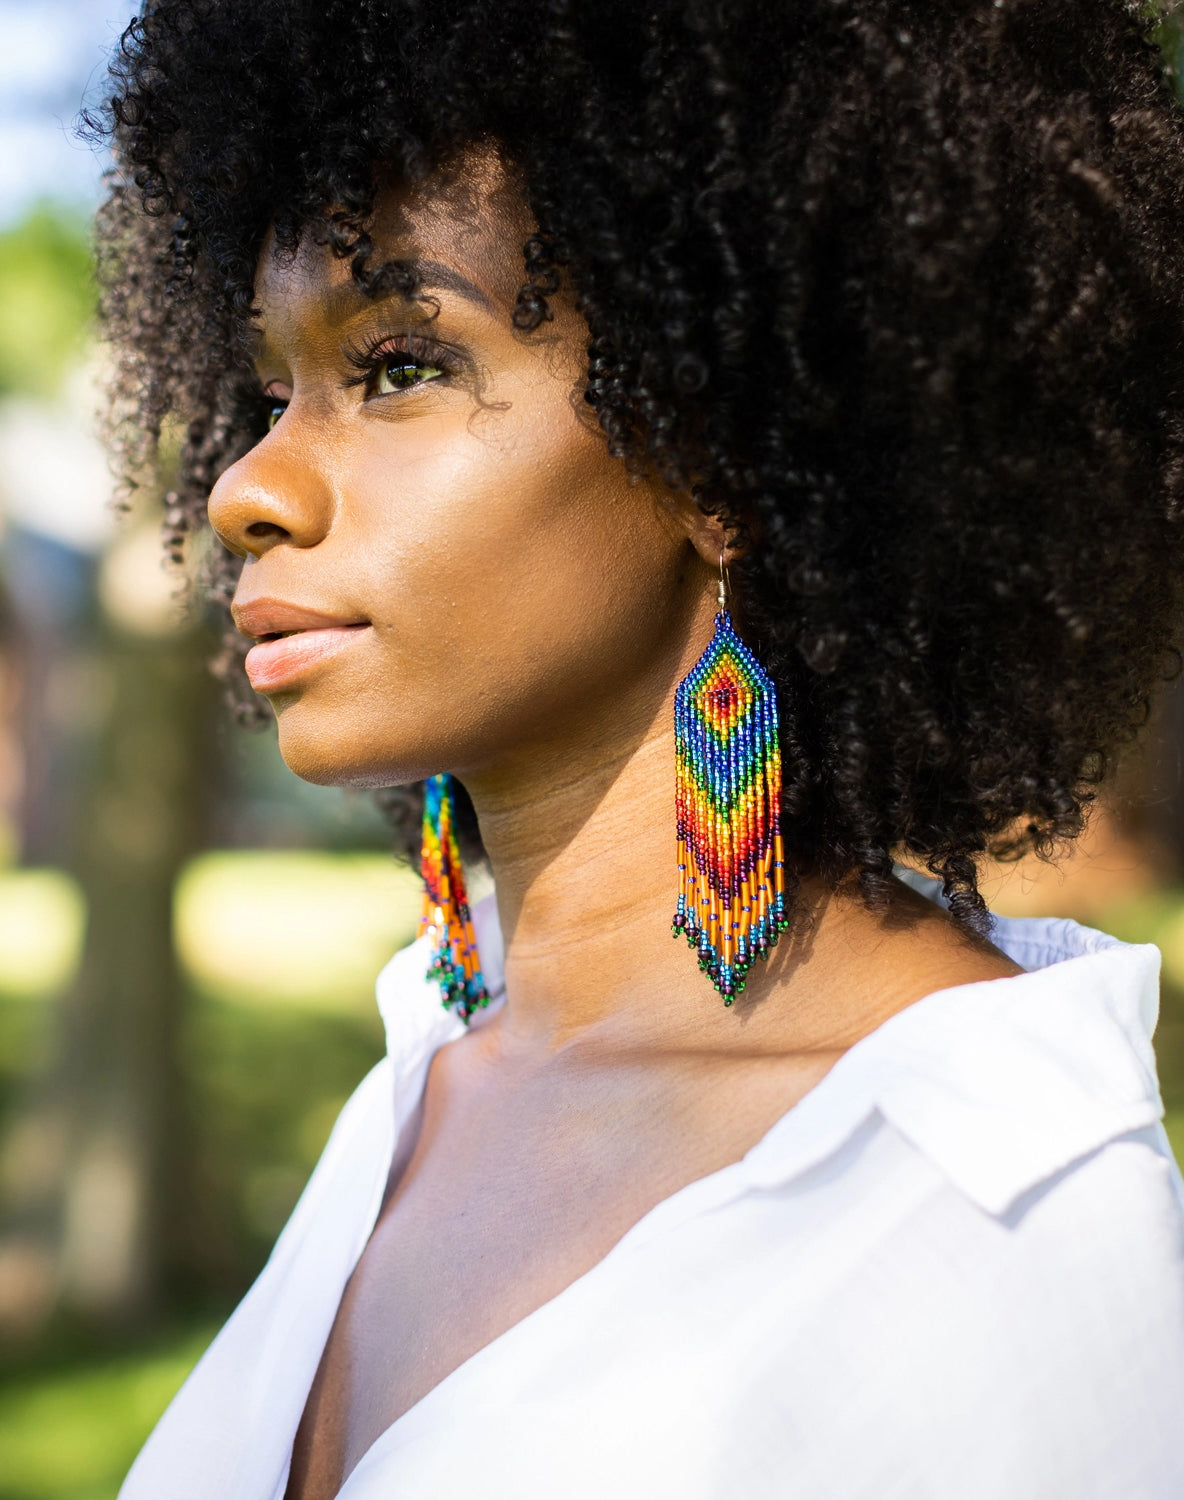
[455,966]
[731,866]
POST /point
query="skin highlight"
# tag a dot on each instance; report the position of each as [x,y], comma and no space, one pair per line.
[520,612]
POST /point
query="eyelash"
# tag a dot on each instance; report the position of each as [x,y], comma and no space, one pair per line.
[369,359]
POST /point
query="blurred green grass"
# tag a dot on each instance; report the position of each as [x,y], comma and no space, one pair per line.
[71,1433]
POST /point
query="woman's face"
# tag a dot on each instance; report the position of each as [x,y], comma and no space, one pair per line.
[471,577]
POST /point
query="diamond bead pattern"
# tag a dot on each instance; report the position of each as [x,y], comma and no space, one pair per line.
[731,895]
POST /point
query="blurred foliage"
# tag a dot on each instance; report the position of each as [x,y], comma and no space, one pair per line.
[42,920]
[264,1080]
[293,927]
[280,951]
[1168,16]
[266,1087]
[1158,918]
[263,1086]
[41,926]
[46,301]
[70,1430]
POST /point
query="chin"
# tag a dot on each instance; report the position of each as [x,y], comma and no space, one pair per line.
[339,758]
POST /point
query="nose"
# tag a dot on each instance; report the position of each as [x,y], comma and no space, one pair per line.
[273,494]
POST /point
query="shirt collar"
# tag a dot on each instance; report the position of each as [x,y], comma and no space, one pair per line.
[1000,1084]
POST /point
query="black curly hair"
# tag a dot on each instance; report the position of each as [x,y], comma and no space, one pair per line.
[895,288]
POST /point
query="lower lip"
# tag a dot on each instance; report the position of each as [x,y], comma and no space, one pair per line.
[272,665]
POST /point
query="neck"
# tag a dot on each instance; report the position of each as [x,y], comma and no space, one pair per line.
[585,872]
[585,868]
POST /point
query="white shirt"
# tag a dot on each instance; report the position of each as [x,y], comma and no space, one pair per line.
[953,1271]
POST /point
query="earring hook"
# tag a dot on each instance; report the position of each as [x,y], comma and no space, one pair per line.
[725,584]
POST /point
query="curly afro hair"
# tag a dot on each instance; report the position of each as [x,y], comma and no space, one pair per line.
[895,288]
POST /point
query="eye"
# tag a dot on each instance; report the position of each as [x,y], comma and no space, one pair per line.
[399,362]
[401,372]
[275,410]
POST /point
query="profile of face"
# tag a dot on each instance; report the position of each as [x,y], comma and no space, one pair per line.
[444,566]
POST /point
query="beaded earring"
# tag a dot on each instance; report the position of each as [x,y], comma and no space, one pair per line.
[731,865]
[455,965]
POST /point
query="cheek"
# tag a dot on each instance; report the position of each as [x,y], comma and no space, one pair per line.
[512,572]
[514,529]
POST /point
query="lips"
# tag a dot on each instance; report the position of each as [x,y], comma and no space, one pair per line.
[291,640]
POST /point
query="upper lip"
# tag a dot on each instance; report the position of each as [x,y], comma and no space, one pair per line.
[270,617]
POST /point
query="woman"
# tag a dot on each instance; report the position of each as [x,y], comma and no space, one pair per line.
[823,359]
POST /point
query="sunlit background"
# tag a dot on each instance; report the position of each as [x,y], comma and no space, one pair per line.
[188,935]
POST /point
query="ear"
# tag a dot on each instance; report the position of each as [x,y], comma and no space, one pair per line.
[711,536]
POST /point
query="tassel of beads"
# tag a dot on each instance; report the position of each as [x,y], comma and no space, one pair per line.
[455,965]
[731,893]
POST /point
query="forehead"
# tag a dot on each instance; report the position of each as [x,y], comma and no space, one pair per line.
[465,227]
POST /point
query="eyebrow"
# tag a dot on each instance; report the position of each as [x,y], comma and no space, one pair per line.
[426,275]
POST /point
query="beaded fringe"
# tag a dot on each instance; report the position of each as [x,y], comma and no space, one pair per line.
[455,965]
[731,886]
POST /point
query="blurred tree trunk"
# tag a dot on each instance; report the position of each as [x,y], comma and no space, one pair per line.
[120,1088]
